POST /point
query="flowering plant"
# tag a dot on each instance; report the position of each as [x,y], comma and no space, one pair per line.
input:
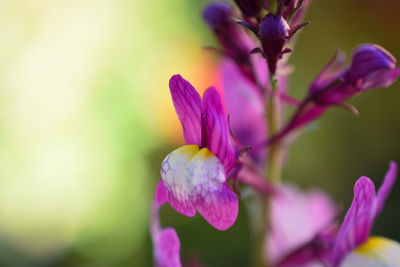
[237,138]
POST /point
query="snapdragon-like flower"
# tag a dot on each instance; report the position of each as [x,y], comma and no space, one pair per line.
[350,245]
[194,176]
[353,247]
[371,67]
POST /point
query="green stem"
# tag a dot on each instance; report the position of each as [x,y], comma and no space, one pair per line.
[259,226]
[274,169]
[276,151]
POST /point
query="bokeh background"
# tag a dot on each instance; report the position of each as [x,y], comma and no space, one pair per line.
[86,119]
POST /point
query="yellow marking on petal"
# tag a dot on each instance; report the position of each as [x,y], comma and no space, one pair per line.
[374,246]
[205,153]
[188,149]
[376,252]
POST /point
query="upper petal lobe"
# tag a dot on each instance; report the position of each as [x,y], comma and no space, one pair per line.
[187,104]
[215,129]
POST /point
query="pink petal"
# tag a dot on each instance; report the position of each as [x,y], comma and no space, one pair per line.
[292,210]
[358,220]
[187,104]
[161,193]
[167,247]
[212,196]
[330,72]
[386,187]
[215,128]
[245,107]
[219,207]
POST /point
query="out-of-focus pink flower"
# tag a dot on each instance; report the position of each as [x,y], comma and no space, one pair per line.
[194,176]
[166,244]
[167,247]
[244,104]
[296,219]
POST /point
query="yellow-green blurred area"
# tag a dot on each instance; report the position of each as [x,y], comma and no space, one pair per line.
[86,119]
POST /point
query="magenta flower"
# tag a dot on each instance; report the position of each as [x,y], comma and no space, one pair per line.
[194,176]
[372,67]
[353,247]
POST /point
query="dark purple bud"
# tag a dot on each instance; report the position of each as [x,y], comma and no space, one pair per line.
[232,37]
[249,8]
[372,66]
[273,31]
[218,15]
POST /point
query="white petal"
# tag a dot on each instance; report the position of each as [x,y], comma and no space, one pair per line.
[376,252]
[173,169]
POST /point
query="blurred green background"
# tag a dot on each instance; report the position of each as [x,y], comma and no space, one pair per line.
[86,119]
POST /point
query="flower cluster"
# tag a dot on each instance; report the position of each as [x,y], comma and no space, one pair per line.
[236,138]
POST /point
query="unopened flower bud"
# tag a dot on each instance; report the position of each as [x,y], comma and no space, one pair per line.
[273,32]
[372,66]
[233,39]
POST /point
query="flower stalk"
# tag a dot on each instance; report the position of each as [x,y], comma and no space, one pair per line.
[239,134]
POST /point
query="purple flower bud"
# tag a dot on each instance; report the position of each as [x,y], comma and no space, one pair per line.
[250,8]
[372,66]
[218,15]
[274,33]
